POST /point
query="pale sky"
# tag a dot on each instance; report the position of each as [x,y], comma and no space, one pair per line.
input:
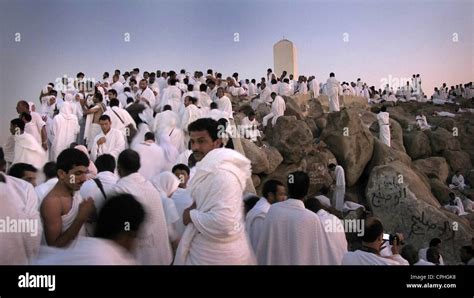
[387,39]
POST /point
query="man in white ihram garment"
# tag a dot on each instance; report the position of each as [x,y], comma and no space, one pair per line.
[215,229]
[372,243]
[278,109]
[63,210]
[383,119]
[108,141]
[18,201]
[152,157]
[273,192]
[340,186]
[26,148]
[333,89]
[152,247]
[292,234]
[65,129]
[224,104]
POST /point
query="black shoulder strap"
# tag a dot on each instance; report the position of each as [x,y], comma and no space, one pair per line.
[117,115]
[101,187]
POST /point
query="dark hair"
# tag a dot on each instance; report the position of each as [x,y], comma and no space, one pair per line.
[113,91]
[114,102]
[250,202]
[213,105]
[332,166]
[432,255]
[331,74]
[192,99]
[120,209]
[181,167]
[298,185]
[129,161]
[383,109]
[205,124]
[105,162]
[18,169]
[104,118]
[271,187]
[373,229]
[149,136]
[434,242]
[202,87]
[27,116]
[313,204]
[410,254]
[18,123]
[70,158]
[50,170]
[99,96]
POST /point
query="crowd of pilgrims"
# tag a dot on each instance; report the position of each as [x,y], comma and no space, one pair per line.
[142,170]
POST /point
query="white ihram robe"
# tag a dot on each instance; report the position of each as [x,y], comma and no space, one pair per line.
[27,150]
[151,159]
[360,257]
[18,201]
[216,234]
[151,247]
[65,129]
[254,220]
[335,235]
[333,89]
[224,104]
[278,109]
[291,235]
[340,191]
[384,127]
[114,144]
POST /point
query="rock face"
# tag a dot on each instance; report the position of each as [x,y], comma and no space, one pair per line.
[315,109]
[433,167]
[411,209]
[317,162]
[441,139]
[383,155]
[293,108]
[458,160]
[440,191]
[264,160]
[262,111]
[257,157]
[291,137]
[350,141]
[417,144]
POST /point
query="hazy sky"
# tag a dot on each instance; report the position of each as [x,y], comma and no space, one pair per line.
[386,38]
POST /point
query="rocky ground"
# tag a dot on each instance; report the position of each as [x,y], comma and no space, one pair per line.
[405,185]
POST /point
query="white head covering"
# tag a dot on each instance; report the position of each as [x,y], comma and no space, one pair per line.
[31,104]
[66,111]
[167,183]
[68,97]
[92,167]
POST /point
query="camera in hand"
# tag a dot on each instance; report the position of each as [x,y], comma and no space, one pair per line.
[391,238]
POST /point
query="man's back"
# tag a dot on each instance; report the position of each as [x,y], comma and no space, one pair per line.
[291,235]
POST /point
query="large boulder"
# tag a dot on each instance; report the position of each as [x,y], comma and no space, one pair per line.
[433,167]
[417,144]
[407,206]
[315,109]
[293,108]
[262,111]
[350,141]
[383,155]
[458,160]
[441,139]
[273,156]
[440,190]
[257,156]
[281,173]
[291,137]
[317,161]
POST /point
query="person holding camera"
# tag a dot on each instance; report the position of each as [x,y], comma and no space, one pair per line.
[372,243]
